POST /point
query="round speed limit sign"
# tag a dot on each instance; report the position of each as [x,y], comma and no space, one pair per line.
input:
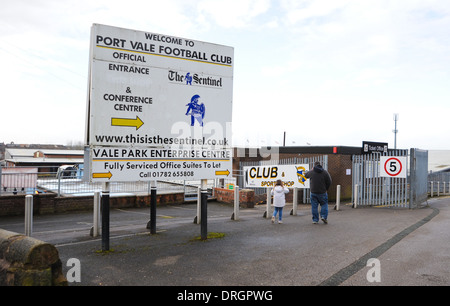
[393,166]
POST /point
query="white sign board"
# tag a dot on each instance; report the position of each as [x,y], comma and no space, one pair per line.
[266,176]
[393,166]
[144,164]
[148,89]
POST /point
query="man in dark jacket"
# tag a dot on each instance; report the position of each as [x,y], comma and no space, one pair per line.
[319,182]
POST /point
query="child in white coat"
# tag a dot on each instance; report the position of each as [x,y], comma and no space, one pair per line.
[279,200]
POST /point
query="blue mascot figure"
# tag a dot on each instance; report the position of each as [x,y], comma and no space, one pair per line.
[196,110]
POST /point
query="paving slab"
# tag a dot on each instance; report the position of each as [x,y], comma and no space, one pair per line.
[252,251]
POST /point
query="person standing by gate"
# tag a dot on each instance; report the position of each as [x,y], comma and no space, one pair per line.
[279,200]
[320,181]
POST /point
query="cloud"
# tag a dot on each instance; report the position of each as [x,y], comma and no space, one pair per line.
[335,57]
[232,13]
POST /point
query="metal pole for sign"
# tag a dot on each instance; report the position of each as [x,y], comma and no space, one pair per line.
[105,217]
[152,223]
[199,205]
[204,210]
[295,202]
[268,213]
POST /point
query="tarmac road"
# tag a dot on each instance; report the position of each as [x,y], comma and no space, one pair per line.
[412,246]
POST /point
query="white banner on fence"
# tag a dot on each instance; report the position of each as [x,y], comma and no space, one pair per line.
[266,176]
[19,177]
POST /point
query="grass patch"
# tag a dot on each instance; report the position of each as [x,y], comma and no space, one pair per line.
[101,252]
[121,250]
[211,235]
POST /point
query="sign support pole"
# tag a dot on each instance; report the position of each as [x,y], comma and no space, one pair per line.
[105,217]
[199,203]
[204,210]
[268,213]
[295,202]
[152,223]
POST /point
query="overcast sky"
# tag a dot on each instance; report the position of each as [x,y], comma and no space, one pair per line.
[328,72]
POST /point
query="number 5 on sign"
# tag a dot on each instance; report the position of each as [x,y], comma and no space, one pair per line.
[393,166]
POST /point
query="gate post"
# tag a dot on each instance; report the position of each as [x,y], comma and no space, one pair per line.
[418,177]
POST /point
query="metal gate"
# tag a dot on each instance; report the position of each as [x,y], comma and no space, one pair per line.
[369,189]
[418,177]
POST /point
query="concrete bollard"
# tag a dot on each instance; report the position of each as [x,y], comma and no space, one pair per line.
[338,197]
[235,215]
[95,230]
[294,202]
[28,215]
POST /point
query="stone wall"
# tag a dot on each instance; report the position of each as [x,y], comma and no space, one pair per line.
[25,261]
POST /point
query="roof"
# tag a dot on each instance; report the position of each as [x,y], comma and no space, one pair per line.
[19,152]
[50,156]
[43,160]
[30,152]
[322,150]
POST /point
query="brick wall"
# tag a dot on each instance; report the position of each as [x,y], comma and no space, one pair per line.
[338,164]
[50,203]
[246,196]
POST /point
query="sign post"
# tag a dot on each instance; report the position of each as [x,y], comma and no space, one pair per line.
[369,147]
[105,217]
[393,166]
[159,107]
[152,223]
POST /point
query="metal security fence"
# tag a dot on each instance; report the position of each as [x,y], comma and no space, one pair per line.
[438,184]
[69,182]
[370,189]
